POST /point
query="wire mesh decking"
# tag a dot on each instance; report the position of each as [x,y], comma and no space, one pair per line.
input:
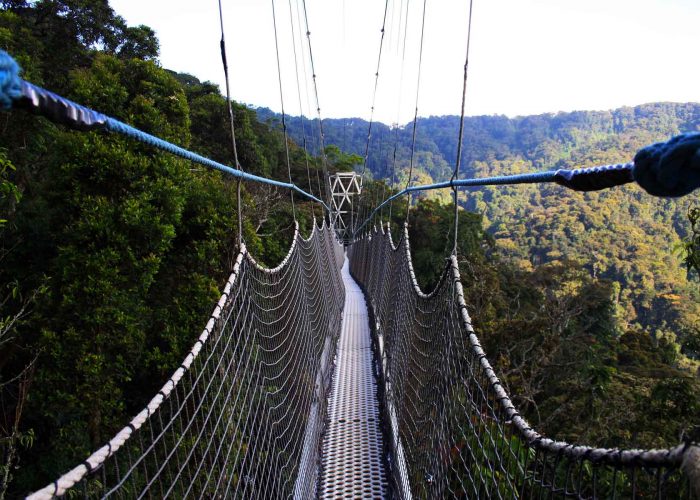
[352,453]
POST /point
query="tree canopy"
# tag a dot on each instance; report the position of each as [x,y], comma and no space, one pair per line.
[113,252]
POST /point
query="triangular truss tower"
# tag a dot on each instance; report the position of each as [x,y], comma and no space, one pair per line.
[344,185]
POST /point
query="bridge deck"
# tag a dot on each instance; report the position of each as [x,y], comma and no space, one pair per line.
[351,463]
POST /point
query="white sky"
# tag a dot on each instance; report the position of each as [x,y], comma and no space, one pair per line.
[527,56]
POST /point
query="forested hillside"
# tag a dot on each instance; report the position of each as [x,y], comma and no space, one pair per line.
[621,235]
[113,253]
[584,305]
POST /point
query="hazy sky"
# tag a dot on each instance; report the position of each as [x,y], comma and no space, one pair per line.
[527,56]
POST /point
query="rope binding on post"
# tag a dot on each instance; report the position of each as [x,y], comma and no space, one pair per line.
[10,82]
[669,168]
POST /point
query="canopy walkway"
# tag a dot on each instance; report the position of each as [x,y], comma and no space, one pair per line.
[324,379]
[352,454]
[287,393]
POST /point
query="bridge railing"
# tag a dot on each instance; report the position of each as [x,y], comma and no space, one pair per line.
[243,415]
[454,431]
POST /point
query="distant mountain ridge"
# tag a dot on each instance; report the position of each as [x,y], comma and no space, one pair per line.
[622,235]
[497,135]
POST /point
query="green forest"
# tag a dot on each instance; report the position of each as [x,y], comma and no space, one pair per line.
[113,253]
[623,236]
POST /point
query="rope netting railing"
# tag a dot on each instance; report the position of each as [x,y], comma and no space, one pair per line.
[453,430]
[243,415]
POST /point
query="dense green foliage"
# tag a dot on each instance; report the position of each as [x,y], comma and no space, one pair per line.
[113,252]
[622,235]
[559,339]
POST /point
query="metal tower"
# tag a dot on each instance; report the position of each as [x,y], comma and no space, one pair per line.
[344,185]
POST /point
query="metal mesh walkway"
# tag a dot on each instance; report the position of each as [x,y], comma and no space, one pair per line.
[352,465]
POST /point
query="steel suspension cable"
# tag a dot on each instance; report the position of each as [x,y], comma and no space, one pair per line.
[284,117]
[398,107]
[376,86]
[324,160]
[306,92]
[383,196]
[239,205]
[301,108]
[374,100]
[379,197]
[460,135]
[398,37]
[415,116]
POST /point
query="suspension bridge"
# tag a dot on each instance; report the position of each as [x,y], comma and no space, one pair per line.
[333,375]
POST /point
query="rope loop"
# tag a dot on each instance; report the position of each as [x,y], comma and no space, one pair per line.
[10,82]
[669,168]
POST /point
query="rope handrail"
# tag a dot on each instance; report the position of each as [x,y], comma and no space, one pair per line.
[669,168]
[16,92]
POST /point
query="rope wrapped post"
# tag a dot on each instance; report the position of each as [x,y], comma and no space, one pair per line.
[669,168]
[10,81]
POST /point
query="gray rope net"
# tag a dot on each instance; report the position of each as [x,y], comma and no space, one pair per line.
[452,429]
[243,415]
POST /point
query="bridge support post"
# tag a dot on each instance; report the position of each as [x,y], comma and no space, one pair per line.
[344,186]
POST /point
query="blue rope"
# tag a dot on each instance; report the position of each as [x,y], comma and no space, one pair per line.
[129,131]
[19,93]
[10,81]
[668,169]
[536,177]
